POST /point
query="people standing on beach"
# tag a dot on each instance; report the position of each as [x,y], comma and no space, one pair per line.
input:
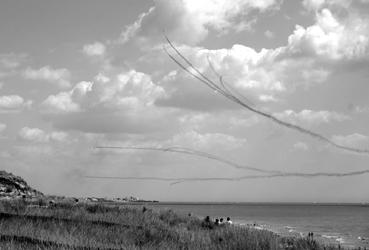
[229,221]
[221,221]
[217,222]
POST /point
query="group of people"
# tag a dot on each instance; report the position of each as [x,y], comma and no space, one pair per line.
[221,221]
[208,223]
[310,236]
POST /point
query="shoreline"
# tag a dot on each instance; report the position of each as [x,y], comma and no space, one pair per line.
[282,229]
[95,225]
[291,232]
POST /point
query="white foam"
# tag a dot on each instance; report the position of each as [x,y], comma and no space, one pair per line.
[330,236]
[340,240]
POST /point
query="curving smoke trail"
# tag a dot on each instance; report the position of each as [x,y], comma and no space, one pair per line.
[182,150]
[226,91]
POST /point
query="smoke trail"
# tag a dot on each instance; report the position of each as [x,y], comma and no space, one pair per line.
[174,180]
[224,90]
[182,150]
[188,151]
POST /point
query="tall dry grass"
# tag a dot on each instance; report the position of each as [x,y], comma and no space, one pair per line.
[66,225]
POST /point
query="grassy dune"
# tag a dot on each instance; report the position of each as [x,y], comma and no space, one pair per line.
[67,225]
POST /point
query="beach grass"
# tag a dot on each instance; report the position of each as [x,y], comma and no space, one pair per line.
[36,224]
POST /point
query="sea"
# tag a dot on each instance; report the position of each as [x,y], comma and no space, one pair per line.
[340,224]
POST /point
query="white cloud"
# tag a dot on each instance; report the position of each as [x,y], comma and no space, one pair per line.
[9,63]
[131,30]
[267,98]
[269,34]
[60,103]
[33,134]
[331,37]
[195,18]
[355,140]
[311,117]
[259,76]
[300,146]
[39,135]
[128,90]
[262,75]
[66,102]
[319,4]
[94,49]
[60,77]
[102,78]
[11,60]
[13,103]
[313,4]
[221,121]
[58,136]
[360,109]
[206,141]
[2,127]
[309,57]
[125,99]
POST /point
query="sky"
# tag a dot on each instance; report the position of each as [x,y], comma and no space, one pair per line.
[75,75]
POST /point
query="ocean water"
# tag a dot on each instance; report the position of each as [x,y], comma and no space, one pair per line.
[347,225]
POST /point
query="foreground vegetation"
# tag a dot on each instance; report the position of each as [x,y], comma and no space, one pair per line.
[74,225]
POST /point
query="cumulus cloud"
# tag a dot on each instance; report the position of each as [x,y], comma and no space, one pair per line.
[33,134]
[332,37]
[194,18]
[311,117]
[128,90]
[310,56]
[13,103]
[260,76]
[125,99]
[39,135]
[66,102]
[59,77]
[94,49]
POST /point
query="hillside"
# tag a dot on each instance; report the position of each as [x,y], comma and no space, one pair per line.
[12,186]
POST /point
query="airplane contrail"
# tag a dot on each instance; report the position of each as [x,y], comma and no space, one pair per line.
[188,151]
[224,90]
